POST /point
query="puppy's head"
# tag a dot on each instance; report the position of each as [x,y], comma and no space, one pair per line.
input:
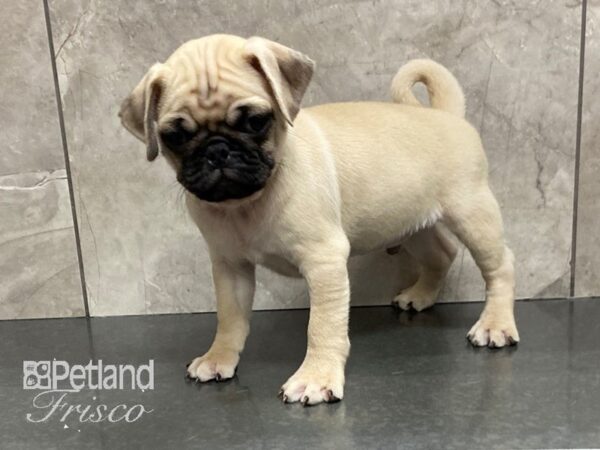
[217,110]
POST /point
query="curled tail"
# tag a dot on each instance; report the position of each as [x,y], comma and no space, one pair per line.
[444,91]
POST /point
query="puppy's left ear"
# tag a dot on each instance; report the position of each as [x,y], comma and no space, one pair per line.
[139,111]
[286,71]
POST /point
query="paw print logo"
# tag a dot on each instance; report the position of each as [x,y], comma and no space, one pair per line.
[36,375]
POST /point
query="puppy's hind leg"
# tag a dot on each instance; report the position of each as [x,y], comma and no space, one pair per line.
[434,251]
[476,221]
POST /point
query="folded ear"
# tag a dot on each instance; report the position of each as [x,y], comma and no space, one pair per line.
[139,111]
[286,71]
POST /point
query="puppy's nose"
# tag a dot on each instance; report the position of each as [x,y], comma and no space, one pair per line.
[217,151]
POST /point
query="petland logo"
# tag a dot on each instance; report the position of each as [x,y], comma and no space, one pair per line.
[60,382]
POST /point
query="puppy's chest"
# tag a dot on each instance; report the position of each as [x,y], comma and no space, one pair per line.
[272,254]
[260,245]
[278,264]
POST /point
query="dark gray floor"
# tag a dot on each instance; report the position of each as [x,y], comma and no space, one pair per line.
[412,382]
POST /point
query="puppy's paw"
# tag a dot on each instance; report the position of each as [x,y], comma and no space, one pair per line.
[311,387]
[493,332]
[416,298]
[215,365]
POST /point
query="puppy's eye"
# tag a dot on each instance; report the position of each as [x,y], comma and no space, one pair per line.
[258,123]
[177,134]
[254,123]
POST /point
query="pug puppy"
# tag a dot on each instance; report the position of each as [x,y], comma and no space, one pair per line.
[301,190]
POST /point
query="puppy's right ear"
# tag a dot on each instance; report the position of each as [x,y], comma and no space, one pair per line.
[139,111]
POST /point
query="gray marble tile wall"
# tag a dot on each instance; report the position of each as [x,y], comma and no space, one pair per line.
[587,267]
[39,273]
[518,63]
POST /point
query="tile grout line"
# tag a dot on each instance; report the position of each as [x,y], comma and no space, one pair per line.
[90,320]
[578,148]
[61,122]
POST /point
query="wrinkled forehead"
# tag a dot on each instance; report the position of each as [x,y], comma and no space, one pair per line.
[209,75]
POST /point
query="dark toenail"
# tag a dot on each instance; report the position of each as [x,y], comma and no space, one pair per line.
[332,398]
[280,393]
[188,365]
[218,377]
[492,344]
[284,398]
[304,401]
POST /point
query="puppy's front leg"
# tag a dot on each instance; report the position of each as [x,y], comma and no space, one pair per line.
[320,378]
[234,287]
